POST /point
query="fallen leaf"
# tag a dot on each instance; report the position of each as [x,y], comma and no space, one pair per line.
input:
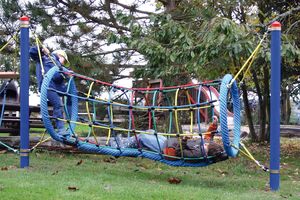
[285,196]
[136,170]
[108,187]
[142,166]
[110,160]
[3,151]
[174,180]
[54,173]
[79,162]
[4,168]
[73,188]
[223,173]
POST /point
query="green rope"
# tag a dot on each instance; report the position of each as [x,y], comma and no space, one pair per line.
[9,148]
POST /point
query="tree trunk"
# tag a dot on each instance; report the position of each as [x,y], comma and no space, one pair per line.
[285,105]
[248,113]
[289,110]
[262,107]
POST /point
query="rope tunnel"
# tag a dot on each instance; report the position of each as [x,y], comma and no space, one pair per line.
[93,107]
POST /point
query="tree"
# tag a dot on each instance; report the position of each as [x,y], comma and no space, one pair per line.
[180,40]
[9,54]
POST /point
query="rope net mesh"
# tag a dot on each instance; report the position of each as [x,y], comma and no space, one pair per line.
[109,119]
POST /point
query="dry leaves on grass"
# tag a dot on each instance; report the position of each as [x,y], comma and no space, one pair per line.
[73,188]
[54,173]
[143,166]
[3,151]
[223,173]
[79,162]
[174,180]
[290,148]
[286,196]
[62,156]
[110,159]
[5,168]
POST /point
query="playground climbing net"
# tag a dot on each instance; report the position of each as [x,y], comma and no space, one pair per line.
[158,112]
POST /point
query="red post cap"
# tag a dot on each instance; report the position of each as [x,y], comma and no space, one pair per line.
[276,24]
[24,18]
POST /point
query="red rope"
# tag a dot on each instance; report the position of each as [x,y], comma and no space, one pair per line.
[138,89]
[132,119]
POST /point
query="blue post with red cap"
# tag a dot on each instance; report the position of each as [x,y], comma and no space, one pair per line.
[275,106]
[24,92]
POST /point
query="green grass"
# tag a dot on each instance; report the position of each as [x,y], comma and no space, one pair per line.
[51,173]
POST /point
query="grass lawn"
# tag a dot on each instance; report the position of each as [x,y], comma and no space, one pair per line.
[54,175]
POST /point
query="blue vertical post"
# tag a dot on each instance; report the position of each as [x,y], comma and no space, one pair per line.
[24,92]
[275,105]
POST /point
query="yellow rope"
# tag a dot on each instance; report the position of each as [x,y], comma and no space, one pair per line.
[248,60]
[10,39]
[191,112]
[16,53]
[38,43]
[248,152]
[42,140]
[248,68]
[48,54]
[112,121]
[250,156]
[88,111]
[243,152]
[108,136]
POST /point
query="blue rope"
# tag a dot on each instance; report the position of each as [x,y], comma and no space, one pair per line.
[232,152]
[3,105]
[44,106]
